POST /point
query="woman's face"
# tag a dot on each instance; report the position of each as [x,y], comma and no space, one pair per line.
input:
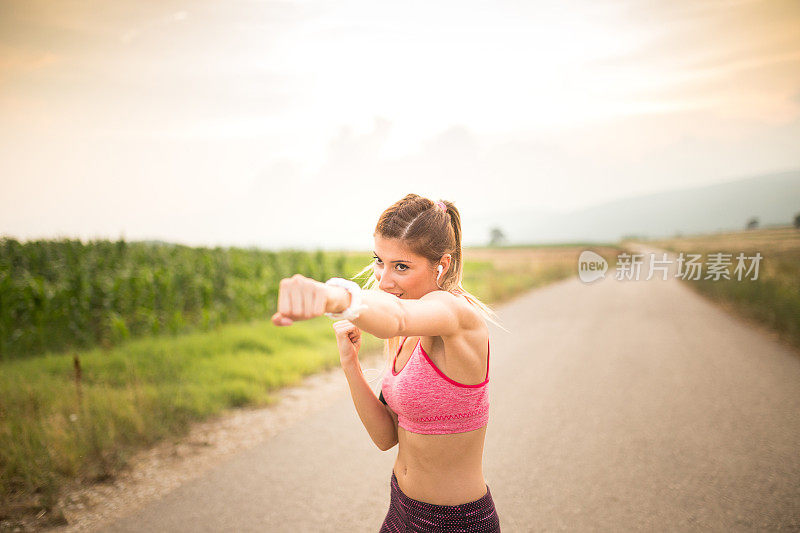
[402,272]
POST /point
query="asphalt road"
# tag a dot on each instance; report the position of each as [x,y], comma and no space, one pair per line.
[615,406]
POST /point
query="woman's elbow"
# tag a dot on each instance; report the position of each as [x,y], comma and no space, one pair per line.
[388,446]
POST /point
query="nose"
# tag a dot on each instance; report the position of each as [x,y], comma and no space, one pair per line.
[384,281]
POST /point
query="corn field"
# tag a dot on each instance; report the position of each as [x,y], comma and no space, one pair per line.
[57,295]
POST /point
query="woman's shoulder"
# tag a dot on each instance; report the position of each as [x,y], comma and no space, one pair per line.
[474,330]
[471,319]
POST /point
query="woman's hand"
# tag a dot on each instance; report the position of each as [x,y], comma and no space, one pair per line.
[302,298]
[348,338]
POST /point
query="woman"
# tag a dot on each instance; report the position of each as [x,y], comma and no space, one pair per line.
[435,401]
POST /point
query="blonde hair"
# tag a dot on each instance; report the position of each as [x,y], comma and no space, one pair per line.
[430,232]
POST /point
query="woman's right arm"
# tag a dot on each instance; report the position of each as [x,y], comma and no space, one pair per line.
[376,418]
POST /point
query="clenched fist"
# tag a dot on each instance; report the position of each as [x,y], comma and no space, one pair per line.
[348,339]
[302,298]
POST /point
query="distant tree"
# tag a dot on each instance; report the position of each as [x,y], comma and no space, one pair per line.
[752,223]
[496,237]
[797,221]
[634,237]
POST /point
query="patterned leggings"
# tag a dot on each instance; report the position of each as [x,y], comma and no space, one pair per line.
[409,515]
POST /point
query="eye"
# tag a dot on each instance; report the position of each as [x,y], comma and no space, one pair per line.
[405,267]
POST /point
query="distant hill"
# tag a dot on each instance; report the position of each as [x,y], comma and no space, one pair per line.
[773,198]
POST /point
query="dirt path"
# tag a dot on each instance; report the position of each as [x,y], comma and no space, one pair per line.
[617,405]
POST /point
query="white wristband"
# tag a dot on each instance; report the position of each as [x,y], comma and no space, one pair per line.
[352,312]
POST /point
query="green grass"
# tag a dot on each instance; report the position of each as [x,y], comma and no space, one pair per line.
[515,279]
[773,299]
[133,395]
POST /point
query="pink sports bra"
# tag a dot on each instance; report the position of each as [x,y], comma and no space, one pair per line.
[427,401]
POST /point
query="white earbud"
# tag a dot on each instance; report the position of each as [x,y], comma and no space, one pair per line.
[440,272]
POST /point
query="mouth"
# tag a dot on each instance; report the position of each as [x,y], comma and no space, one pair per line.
[396,294]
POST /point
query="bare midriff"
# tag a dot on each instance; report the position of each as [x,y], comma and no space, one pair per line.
[441,469]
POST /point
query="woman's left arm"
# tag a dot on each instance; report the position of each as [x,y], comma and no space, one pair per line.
[436,313]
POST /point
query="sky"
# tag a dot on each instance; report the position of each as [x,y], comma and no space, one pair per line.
[295,124]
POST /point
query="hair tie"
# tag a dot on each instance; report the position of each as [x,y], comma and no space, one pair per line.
[442,206]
